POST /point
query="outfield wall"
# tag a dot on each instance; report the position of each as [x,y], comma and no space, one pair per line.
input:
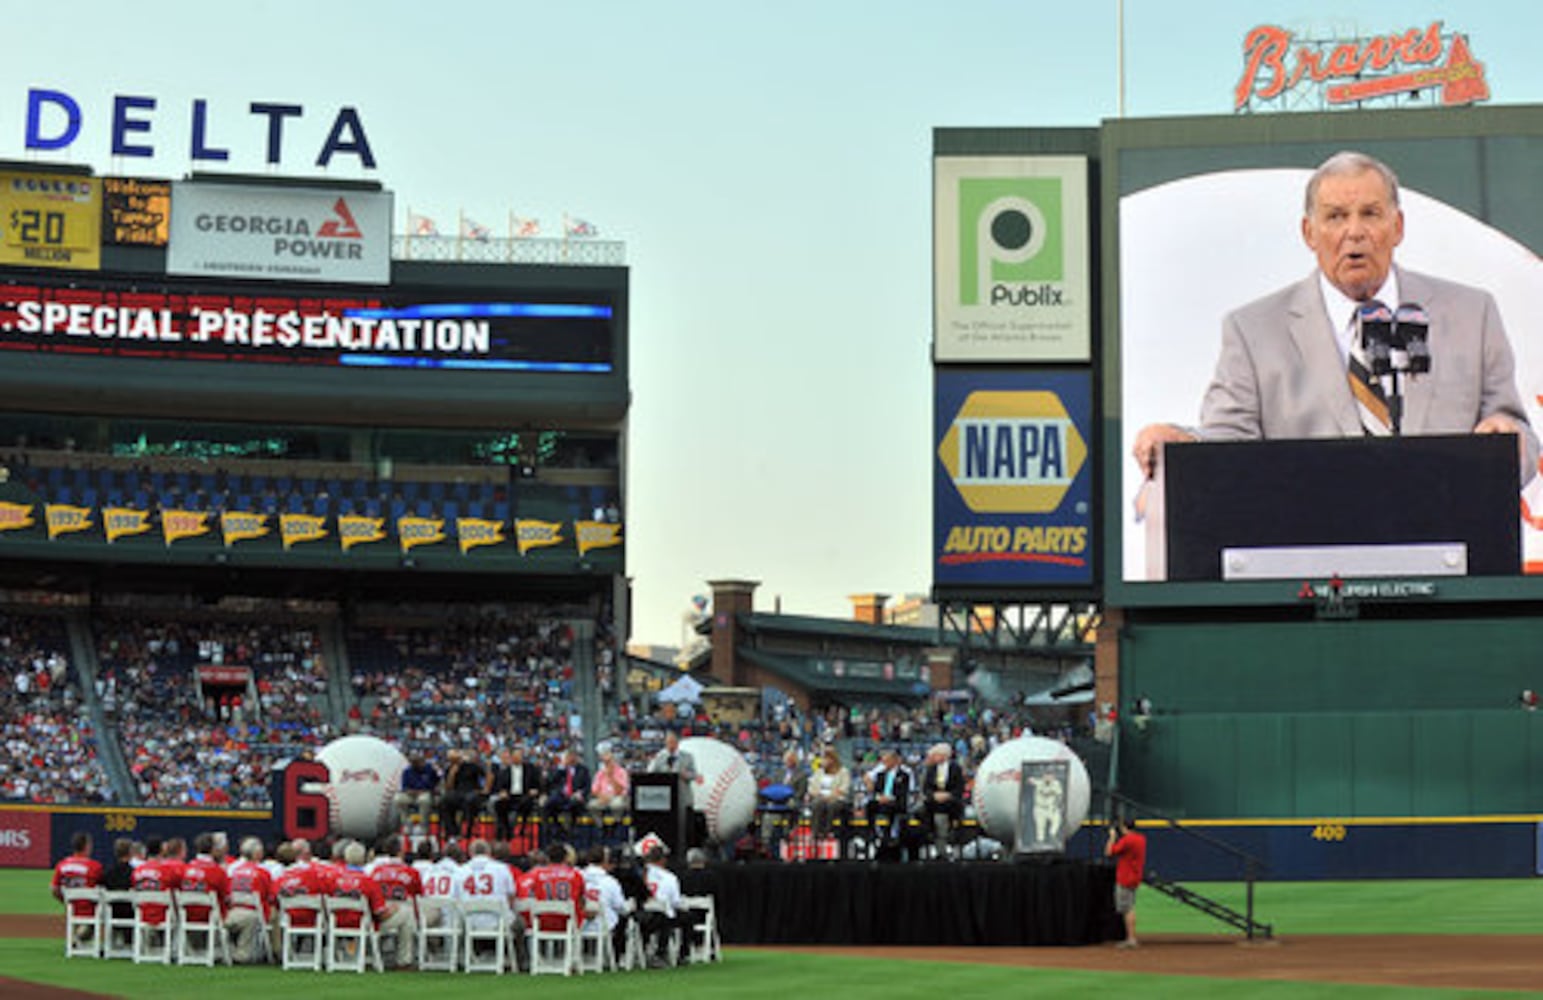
[37,836]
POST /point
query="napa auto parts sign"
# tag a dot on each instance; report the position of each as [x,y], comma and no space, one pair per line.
[1276,62]
[295,234]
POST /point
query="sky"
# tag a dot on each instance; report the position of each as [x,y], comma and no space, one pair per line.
[768,167]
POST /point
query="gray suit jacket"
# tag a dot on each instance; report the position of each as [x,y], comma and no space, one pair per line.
[1280,374]
[685,766]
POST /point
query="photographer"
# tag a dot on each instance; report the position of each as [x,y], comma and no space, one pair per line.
[1129,849]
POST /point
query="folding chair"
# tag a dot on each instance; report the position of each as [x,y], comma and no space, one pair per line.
[292,937]
[117,923]
[485,922]
[672,940]
[153,941]
[705,945]
[200,940]
[242,902]
[634,957]
[83,933]
[350,947]
[553,951]
[596,953]
[439,946]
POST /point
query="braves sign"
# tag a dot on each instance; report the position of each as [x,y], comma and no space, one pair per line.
[1366,68]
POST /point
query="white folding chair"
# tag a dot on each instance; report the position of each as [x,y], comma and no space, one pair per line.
[242,903]
[554,951]
[153,941]
[672,939]
[117,923]
[596,953]
[703,932]
[300,947]
[83,932]
[485,927]
[439,944]
[350,947]
[201,940]
[634,957]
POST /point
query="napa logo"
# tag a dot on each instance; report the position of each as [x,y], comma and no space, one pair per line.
[1012,452]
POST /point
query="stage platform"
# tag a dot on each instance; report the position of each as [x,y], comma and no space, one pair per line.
[1056,902]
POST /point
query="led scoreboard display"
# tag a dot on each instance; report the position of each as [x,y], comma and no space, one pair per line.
[408,328]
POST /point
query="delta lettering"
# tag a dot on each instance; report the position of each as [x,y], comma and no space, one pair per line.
[132,125]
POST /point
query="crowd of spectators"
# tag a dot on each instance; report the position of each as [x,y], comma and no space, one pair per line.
[188,744]
[50,752]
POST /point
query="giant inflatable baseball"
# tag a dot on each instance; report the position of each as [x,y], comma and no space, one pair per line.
[725,790]
[999,781]
[365,774]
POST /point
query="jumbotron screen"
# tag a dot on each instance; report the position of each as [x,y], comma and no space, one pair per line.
[1211,236]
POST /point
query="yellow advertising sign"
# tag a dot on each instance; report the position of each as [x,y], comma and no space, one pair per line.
[357,529]
[414,531]
[532,534]
[15,515]
[120,522]
[596,535]
[475,531]
[177,524]
[51,220]
[63,518]
[239,525]
[294,528]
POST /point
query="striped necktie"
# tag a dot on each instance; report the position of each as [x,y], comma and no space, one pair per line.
[1371,400]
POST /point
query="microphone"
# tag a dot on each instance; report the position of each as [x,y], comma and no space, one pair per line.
[1412,330]
[1375,321]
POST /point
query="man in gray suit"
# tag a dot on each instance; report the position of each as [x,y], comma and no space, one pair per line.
[1284,358]
[673,759]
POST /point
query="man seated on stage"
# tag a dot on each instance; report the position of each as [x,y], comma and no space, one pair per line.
[567,791]
[890,805]
[420,781]
[942,791]
[462,802]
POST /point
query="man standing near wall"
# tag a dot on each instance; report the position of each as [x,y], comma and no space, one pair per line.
[1128,847]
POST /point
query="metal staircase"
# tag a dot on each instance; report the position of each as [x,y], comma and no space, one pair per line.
[1226,914]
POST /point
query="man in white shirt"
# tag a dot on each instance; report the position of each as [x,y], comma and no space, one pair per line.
[660,921]
[604,899]
[484,878]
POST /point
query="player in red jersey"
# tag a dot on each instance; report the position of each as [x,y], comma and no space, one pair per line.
[560,881]
[161,874]
[78,871]
[401,884]
[204,874]
[352,883]
[301,878]
[246,925]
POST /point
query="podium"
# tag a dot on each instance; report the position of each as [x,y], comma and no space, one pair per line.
[658,807]
[1356,507]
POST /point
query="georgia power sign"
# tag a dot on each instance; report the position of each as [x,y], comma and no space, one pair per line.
[1012,485]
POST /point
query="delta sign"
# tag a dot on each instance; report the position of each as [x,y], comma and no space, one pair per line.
[1012,491]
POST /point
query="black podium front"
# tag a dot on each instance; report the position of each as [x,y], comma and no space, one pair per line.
[658,807]
[1293,509]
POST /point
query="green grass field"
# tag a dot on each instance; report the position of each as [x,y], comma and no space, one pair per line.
[1417,907]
